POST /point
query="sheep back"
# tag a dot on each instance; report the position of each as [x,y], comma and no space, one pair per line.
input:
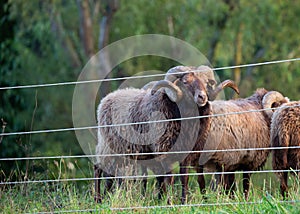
[133,106]
[238,131]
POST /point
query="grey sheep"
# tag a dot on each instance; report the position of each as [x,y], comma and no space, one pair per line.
[285,132]
[239,131]
[177,96]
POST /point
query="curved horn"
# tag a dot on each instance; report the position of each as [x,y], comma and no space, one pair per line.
[175,72]
[270,98]
[149,85]
[227,83]
[207,71]
[172,90]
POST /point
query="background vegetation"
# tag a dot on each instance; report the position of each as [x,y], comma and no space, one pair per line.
[50,41]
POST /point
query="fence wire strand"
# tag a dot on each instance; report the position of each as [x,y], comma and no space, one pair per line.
[142,122]
[133,177]
[143,76]
[144,154]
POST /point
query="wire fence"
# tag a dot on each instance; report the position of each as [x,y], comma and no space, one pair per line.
[133,177]
[133,154]
[144,122]
[148,153]
[144,76]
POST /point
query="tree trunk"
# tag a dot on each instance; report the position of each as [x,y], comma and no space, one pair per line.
[238,54]
[86,27]
[105,26]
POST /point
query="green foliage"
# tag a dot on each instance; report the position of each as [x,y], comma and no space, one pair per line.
[42,42]
[33,55]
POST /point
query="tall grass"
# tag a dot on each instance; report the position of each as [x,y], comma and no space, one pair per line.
[127,198]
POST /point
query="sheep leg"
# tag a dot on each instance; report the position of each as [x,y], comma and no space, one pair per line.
[120,181]
[246,184]
[214,182]
[171,180]
[201,180]
[224,180]
[161,186]
[184,182]
[108,183]
[97,173]
[232,185]
[168,181]
[283,184]
[161,181]
[229,184]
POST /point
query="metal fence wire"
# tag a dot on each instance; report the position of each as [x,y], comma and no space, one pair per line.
[132,154]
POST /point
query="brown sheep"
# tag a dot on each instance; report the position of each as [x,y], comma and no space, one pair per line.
[285,132]
[240,131]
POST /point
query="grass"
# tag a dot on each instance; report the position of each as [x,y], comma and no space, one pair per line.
[70,197]
[77,196]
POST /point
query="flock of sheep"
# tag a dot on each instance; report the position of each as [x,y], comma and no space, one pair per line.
[232,125]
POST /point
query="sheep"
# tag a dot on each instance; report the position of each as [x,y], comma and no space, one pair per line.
[285,132]
[177,96]
[239,131]
[206,74]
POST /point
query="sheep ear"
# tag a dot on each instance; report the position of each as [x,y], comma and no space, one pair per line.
[212,82]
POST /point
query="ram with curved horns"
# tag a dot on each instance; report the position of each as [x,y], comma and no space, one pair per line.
[178,96]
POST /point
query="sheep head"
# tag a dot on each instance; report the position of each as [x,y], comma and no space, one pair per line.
[187,86]
[273,99]
[206,74]
[191,77]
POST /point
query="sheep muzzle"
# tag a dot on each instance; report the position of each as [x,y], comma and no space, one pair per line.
[200,98]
